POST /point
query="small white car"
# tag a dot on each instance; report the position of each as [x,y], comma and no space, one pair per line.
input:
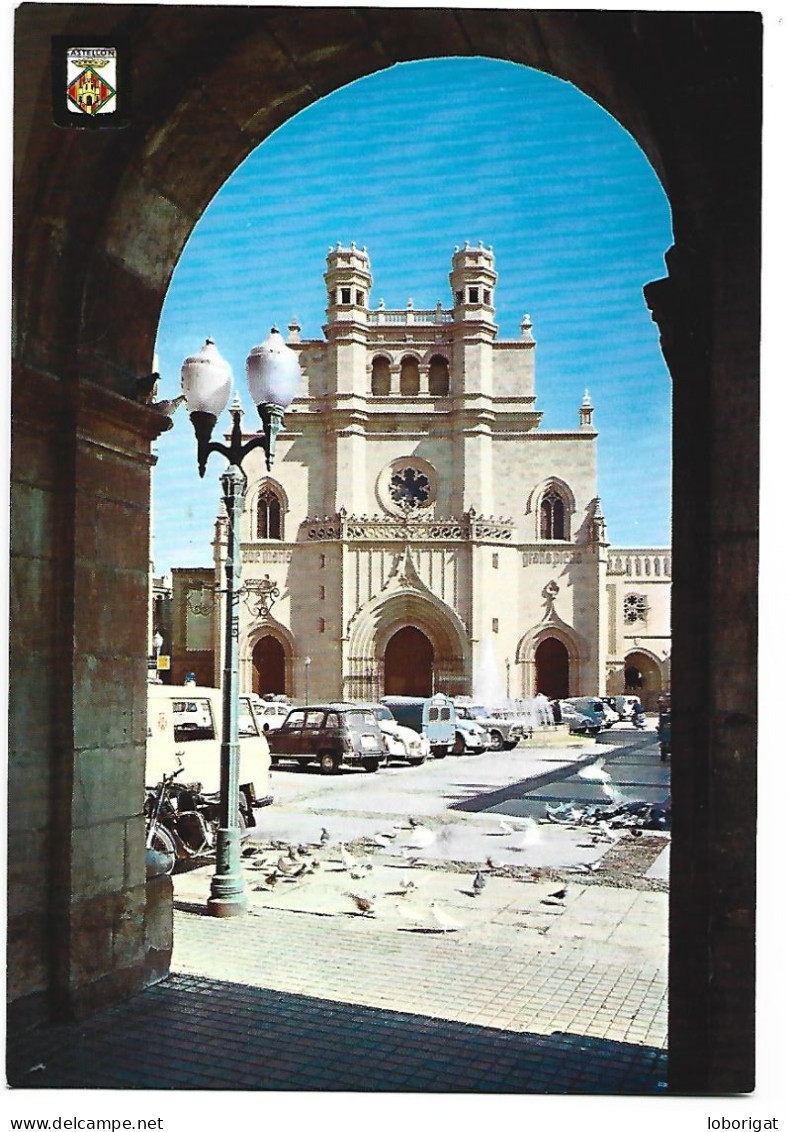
[471,738]
[403,744]
[270,714]
[611,716]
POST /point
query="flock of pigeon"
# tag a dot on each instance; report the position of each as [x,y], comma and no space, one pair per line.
[303,860]
[616,813]
[298,862]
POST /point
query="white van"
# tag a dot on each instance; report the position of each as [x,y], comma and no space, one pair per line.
[434,717]
[185,729]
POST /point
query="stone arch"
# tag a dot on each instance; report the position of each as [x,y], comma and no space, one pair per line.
[687,86]
[409,376]
[269,511]
[643,676]
[378,622]
[247,645]
[525,656]
[380,378]
[438,375]
[533,507]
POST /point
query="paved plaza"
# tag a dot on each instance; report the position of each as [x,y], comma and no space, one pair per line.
[550,977]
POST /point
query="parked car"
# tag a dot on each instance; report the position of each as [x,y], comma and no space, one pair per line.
[185,730]
[271,714]
[331,735]
[504,734]
[610,701]
[403,744]
[611,711]
[471,738]
[625,706]
[579,724]
[611,715]
[590,706]
[432,716]
[524,722]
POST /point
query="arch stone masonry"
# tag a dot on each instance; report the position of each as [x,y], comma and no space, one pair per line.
[90,273]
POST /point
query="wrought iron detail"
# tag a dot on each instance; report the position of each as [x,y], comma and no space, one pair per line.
[259,595]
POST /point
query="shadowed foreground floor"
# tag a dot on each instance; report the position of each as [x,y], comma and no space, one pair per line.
[198,1033]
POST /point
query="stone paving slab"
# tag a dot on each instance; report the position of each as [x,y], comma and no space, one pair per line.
[660,870]
[474,977]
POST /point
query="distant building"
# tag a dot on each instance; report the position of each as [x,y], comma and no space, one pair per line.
[159,626]
[422,530]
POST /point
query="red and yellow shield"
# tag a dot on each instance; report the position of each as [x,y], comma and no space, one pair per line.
[89,91]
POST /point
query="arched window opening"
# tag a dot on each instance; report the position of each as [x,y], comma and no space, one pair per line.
[381,377]
[438,377]
[552,516]
[269,515]
[409,378]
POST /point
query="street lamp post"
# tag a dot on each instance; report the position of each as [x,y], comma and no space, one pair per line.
[273,373]
[307,662]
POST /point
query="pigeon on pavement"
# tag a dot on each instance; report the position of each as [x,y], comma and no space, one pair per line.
[363,903]
[479,881]
[421,838]
[594,772]
[444,920]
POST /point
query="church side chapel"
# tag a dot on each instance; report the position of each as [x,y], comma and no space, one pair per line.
[421,531]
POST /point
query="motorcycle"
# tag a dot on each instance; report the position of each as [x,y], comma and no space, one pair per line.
[639,720]
[181,822]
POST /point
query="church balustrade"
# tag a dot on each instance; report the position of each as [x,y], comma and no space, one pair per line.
[409,317]
[379,528]
[640,563]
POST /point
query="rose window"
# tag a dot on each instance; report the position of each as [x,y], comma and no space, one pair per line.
[410,488]
[635,608]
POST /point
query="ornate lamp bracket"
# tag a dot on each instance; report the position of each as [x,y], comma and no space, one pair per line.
[259,595]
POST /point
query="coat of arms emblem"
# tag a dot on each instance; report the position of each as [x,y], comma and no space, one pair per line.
[91,80]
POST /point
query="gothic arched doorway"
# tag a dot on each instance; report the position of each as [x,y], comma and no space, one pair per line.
[643,677]
[552,669]
[407,663]
[268,661]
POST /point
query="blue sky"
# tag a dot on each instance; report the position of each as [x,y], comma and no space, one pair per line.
[411,162]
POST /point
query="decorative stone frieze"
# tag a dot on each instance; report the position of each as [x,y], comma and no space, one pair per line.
[380,528]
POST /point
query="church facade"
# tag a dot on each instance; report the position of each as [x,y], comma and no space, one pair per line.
[420,531]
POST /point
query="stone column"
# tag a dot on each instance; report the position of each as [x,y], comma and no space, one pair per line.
[706,337]
[79,575]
